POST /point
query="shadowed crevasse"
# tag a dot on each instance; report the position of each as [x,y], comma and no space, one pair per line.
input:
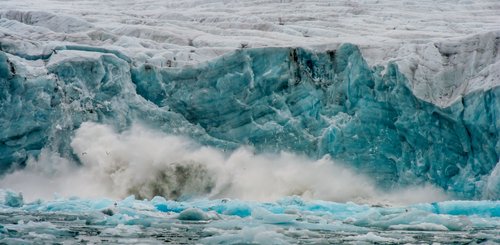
[274,99]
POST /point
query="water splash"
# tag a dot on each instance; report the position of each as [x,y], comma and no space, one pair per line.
[148,163]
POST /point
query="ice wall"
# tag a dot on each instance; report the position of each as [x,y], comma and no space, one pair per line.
[273,99]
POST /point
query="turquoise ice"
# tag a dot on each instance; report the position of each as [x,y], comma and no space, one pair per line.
[226,221]
[273,99]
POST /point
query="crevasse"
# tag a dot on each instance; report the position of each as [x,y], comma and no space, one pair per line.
[273,99]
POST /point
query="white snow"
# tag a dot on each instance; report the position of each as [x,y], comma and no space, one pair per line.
[447,48]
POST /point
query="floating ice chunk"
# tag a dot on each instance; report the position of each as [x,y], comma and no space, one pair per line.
[121,230]
[371,237]
[302,233]
[249,235]
[158,200]
[270,218]
[212,231]
[25,228]
[237,208]
[480,208]
[109,211]
[38,236]
[194,214]
[160,203]
[387,217]
[11,199]
[420,227]
[14,241]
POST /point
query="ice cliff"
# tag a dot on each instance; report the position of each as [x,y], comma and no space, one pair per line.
[387,122]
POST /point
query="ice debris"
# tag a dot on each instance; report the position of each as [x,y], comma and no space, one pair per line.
[283,222]
[192,214]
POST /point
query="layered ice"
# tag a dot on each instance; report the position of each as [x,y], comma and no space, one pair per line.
[271,99]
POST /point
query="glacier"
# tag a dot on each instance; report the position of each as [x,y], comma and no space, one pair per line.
[249,122]
[273,99]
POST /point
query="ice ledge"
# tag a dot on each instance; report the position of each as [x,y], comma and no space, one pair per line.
[445,71]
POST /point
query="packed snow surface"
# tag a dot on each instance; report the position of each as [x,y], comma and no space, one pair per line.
[176,33]
[210,28]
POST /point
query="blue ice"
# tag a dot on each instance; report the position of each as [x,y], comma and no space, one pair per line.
[273,99]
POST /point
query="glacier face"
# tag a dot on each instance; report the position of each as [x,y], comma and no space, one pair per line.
[273,99]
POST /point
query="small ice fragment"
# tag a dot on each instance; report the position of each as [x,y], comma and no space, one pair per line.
[419,227]
[121,230]
[270,218]
[371,237]
[192,214]
[108,211]
[11,199]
